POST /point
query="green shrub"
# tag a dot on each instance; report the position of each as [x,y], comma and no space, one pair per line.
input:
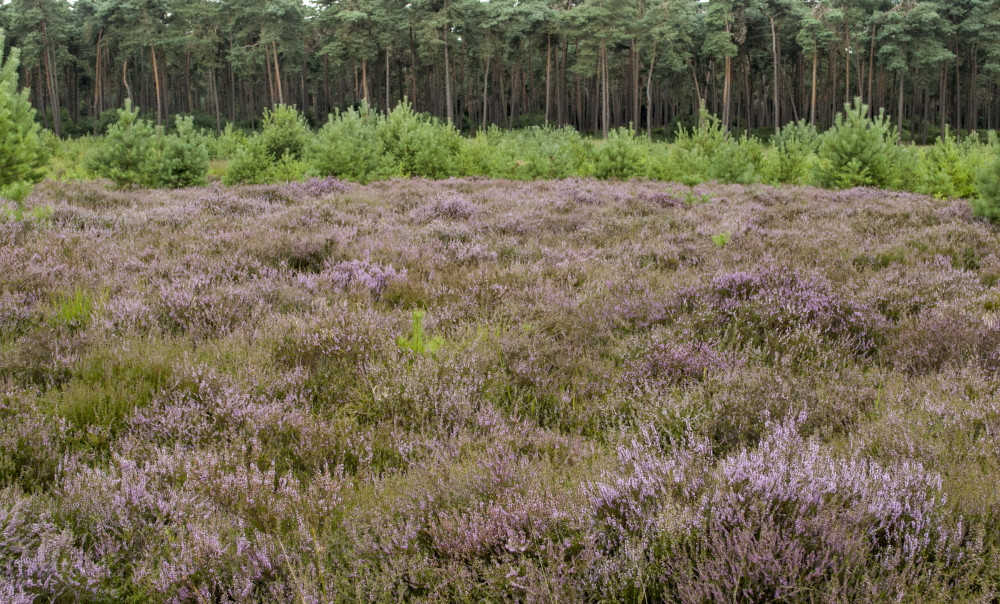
[621,156]
[16,191]
[127,156]
[737,161]
[253,166]
[284,133]
[183,158]
[250,166]
[420,146]
[987,201]
[722,239]
[948,168]
[22,152]
[857,151]
[418,342]
[792,154]
[227,144]
[348,147]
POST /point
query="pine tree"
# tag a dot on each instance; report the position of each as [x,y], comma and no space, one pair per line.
[22,152]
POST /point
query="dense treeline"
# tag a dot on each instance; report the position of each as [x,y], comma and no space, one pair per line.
[593,64]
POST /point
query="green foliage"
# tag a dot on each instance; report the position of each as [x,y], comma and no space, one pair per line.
[128,155]
[987,202]
[792,154]
[857,151]
[418,342]
[22,152]
[621,156]
[284,133]
[16,191]
[419,145]
[251,164]
[348,147]
[535,153]
[76,309]
[183,158]
[737,161]
[949,168]
[227,144]
[722,239]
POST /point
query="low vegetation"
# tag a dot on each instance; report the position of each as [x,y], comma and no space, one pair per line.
[478,390]
[361,145]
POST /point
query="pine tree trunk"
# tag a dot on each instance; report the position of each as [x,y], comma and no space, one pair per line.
[649,95]
[777,84]
[159,97]
[447,77]
[812,105]
[277,73]
[548,77]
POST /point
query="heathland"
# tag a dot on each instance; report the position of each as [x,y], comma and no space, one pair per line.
[491,390]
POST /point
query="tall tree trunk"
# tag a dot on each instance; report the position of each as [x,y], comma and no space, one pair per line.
[215,96]
[277,73]
[548,77]
[486,88]
[364,81]
[899,114]
[387,106]
[871,71]
[635,90]
[128,89]
[97,80]
[447,77]
[605,95]
[812,105]
[777,83]
[156,79]
[649,94]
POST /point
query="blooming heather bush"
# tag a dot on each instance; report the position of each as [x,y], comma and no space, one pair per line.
[459,390]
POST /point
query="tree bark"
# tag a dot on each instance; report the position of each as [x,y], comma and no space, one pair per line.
[777,84]
[156,79]
[277,73]
[812,105]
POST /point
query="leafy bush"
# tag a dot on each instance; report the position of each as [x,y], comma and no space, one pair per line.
[183,158]
[253,165]
[420,146]
[127,155]
[348,147]
[227,144]
[22,152]
[621,156]
[737,161]
[987,201]
[948,168]
[791,155]
[857,151]
[284,132]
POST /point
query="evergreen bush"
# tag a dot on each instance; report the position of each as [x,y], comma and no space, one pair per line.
[621,156]
[183,157]
[987,201]
[22,152]
[128,154]
[348,147]
[857,151]
[284,132]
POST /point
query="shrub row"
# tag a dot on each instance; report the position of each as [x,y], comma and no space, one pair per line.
[363,145]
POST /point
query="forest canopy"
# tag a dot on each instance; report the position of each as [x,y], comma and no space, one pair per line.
[594,65]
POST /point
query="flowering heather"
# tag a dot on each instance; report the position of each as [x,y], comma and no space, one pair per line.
[217,394]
